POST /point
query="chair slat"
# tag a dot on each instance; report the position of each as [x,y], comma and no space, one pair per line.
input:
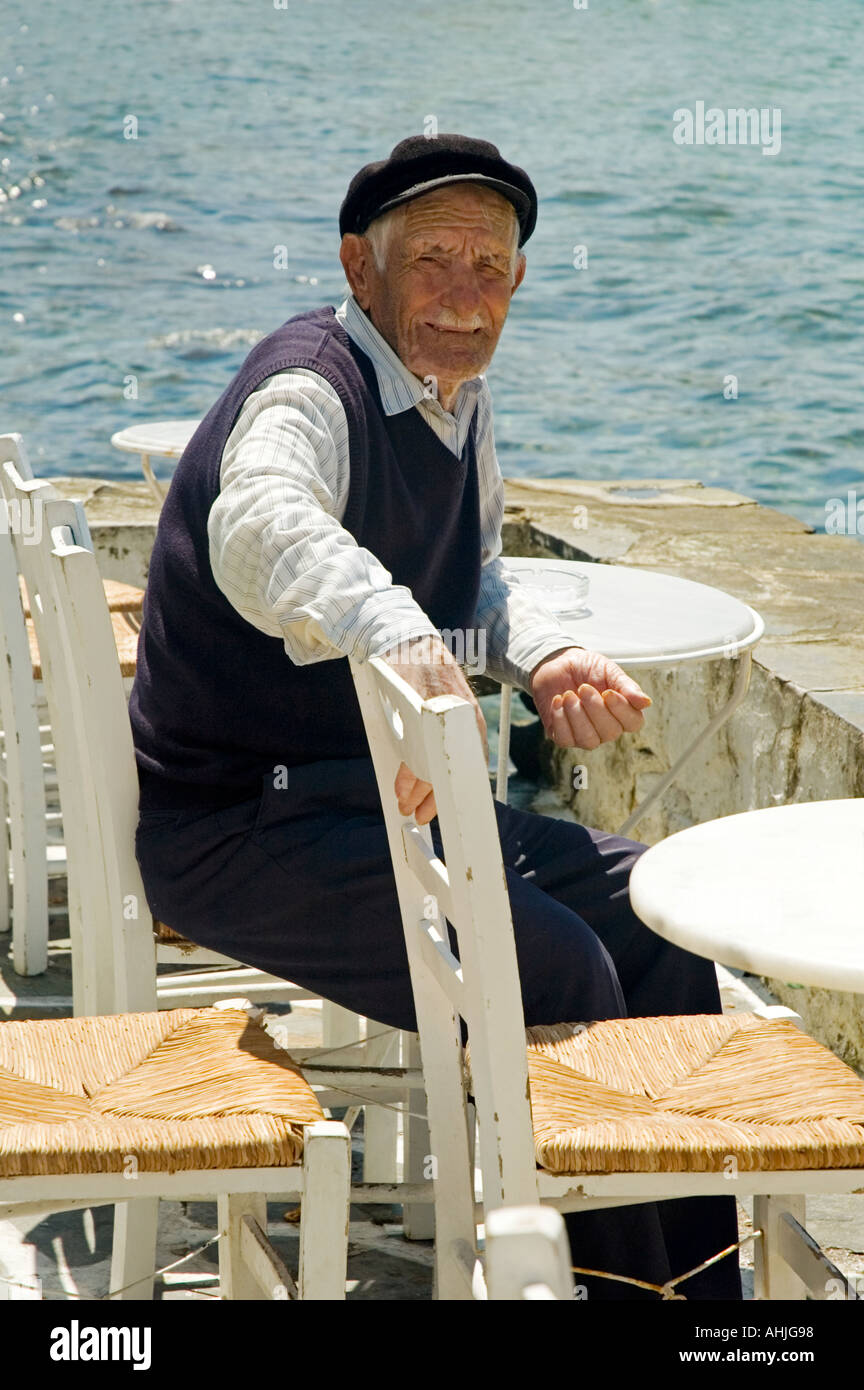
[442,963]
[427,867]
[24,788]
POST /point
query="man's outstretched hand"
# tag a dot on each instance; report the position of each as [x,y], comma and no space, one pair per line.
[585,699]
[431,669]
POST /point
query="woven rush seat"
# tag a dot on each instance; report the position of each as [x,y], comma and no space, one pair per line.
[177,1090]
[687,1093]
[125,640]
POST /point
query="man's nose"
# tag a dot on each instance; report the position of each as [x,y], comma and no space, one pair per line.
[462,294]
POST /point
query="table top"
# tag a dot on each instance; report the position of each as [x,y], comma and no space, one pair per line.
[642,618]
[778,892]
[165,438]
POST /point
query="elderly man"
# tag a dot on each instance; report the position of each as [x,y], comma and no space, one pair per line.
[343,497]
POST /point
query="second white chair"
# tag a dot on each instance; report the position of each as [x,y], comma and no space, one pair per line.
[616,1112]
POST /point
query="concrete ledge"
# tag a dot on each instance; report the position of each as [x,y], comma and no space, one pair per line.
[799,736]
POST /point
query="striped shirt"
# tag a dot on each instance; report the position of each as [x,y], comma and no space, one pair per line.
[282,558]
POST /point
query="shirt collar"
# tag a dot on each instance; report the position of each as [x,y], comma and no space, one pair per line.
[400,389]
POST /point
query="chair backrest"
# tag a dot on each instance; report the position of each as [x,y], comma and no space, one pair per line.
[19,713]
[440,742]
[109,917]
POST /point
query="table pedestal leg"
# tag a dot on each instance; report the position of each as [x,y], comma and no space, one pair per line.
[742,681]
[155,486]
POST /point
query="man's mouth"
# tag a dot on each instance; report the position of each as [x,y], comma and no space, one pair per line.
[463,331]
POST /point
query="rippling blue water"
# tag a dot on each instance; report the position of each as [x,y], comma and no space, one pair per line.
[702,261]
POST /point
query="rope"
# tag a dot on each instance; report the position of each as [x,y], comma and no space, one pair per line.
[366,1100]
[334,1051]
[166,1268]
[381,1104]
[17,1283]
[667,1290]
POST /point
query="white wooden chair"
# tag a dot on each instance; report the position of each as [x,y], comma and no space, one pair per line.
[209,975]
[20,706]
[621,1111]
[110,926]
[93,1107]
[29,779]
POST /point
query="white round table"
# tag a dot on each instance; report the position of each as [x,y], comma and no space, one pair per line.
[162,438]
[641,618]
[777,892]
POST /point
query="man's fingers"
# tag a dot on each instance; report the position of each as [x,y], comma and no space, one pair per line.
[426,811]
[588,718]
[405,780]
[603,719]
[629,718]
[570,723]
[633,693]
[413,797]
[409,790]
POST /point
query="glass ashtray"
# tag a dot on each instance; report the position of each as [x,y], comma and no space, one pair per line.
[561,591]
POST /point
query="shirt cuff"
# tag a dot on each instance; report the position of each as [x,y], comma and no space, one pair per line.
[379,622]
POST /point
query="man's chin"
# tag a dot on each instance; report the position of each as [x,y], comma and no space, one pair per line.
[451,358]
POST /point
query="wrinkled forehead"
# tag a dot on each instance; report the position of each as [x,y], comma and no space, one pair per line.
[460,208]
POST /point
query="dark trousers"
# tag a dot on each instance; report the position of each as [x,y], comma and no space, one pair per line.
[299,883]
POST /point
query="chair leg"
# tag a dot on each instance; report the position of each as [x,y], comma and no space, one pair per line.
[418,1219]
[339,1026]
[325,1210]
[133,1258]
[527,1255]
[381,1124]
[5,899]
[236,1280]
[773,1278]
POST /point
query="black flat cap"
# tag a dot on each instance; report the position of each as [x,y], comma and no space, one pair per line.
[420,164]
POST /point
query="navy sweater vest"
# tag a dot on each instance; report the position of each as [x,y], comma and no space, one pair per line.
[216,703]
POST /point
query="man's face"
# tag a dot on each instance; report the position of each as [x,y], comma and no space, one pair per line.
[443,295]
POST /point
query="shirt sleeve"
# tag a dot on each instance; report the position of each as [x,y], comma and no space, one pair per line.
[278,550]
[518,632]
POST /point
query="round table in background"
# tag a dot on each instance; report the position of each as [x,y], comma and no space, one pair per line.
[641,618]
[161,439]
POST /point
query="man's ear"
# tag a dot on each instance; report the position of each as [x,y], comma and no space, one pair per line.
[519,273]
[355,253]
